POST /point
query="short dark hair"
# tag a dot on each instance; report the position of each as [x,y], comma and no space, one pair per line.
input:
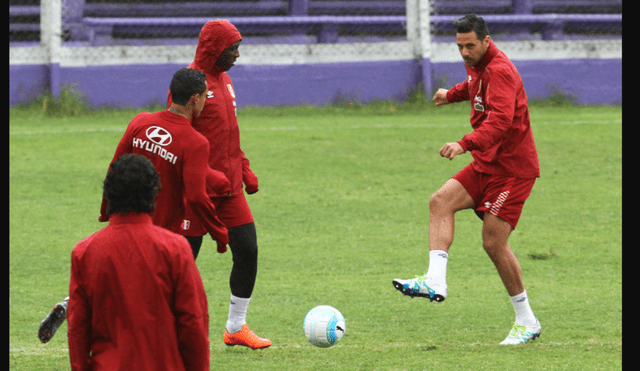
[471,22]
[131,185]
[185,83]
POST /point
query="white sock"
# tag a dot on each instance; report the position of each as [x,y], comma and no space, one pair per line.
[524,314]
[438,266]
[237,313]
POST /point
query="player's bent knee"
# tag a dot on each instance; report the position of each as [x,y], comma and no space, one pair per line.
[443,202]
[495,235]
[437,202]
[451,198]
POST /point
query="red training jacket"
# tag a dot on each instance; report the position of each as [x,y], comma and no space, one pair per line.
[218,121]
[501,142]
[136,300]
[179,154]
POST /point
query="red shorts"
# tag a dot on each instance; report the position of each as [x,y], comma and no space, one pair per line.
[232,212]
[501,196]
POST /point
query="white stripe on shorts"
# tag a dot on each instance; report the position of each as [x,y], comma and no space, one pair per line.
[495,208]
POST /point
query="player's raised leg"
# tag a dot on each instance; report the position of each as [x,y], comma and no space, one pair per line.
[449,199]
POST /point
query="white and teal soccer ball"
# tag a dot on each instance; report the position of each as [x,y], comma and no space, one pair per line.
[324,326]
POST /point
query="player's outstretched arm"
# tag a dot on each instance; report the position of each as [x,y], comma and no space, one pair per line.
[440,97]
[451,150]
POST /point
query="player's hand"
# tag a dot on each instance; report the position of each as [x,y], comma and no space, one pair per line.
[217,184]
[451,150]
[250,181]
[440,97]
[222,247]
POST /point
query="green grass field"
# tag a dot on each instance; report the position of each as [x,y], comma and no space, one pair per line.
[342,210]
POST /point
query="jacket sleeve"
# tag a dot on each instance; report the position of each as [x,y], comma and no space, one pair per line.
[249,178]
[217,184]
[195,184]
[459,93]
[78,320]
[125,146]
[500,97]
[190,308]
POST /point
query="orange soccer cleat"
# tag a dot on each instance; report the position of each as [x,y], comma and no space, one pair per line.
[247,338]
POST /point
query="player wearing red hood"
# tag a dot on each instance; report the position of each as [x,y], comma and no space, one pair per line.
[216,53]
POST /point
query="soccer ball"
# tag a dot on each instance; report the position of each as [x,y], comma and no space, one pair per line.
[324,326]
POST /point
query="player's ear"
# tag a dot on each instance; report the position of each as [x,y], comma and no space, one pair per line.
[194,99]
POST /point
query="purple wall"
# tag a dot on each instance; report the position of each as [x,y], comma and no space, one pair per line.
[590,81]
[26,82]
[128,85]
[319,84]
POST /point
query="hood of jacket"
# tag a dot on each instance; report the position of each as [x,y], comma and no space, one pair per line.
[215,37]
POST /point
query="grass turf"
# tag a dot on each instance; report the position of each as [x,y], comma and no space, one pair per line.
[342,210]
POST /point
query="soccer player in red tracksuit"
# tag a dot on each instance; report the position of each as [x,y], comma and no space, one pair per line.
[136,297]
[179,154]
[498,180]
[216,53]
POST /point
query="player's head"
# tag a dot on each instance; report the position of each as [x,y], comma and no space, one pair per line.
[131,185]
[472,37]
[217,46]
[189,88]
[186,83]
[229,56]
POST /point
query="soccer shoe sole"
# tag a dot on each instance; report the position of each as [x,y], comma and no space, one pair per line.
[534,336]
[51,323]
[242,339]
[400,287]
[247,345]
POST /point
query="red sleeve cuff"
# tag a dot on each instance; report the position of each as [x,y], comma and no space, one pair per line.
[463,143]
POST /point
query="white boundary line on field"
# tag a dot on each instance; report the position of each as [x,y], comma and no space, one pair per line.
[310,128]
[40,350]
[64,352]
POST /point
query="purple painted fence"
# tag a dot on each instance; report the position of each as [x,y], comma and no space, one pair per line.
[588,81]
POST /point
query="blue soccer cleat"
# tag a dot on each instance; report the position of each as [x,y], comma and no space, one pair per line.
[423,287]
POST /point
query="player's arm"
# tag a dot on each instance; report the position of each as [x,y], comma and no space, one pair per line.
[451,150]
[440,97]
[458,93]
[500,98]
[195,183]
[249,178]
[217,184]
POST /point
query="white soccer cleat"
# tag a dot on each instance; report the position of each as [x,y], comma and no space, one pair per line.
[423,287]
[522,334]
